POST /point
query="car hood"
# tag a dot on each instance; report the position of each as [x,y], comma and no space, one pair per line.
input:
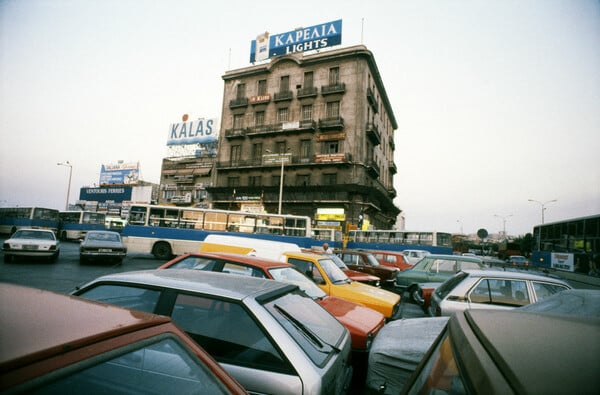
[355,317]
[367,295]
[359,276]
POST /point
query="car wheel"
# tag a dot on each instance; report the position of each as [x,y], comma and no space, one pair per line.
[82,260]
[162,250]
[8,258]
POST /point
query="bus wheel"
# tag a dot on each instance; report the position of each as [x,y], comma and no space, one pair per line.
[162,250]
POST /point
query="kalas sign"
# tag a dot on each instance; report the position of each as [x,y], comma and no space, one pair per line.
[315,37]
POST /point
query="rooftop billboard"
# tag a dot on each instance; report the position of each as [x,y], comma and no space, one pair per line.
[120,173]
[299,40]
[199,131]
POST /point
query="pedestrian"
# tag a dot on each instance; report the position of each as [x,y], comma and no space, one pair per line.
[327,249]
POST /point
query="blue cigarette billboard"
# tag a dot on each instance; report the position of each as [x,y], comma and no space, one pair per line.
[303,39]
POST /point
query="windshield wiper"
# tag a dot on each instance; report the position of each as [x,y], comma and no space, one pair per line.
[316,339]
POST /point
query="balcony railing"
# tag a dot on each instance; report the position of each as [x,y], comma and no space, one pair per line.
[392,167]
[235,133]
[372,100]
[239,102]
[334,88]
[373,133]
[307,92]
[264,129]
[331,123]
[281,96]
[373,169]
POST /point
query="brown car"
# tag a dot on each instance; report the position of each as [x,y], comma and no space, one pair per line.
[365,262]
[391,258]
[54,343]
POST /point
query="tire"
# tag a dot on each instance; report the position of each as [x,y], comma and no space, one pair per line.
[82,260]
[162,250]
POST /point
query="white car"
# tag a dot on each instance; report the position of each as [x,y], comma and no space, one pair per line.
[34,243]
[414,256]
[492,289]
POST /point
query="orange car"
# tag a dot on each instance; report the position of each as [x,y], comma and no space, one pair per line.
[54,343]
[391,258]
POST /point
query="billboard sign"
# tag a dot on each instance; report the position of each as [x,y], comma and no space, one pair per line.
[104,194]
[120,173]
[199,131]
[302,39]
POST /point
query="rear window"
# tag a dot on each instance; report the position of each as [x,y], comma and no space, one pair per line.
[443,290]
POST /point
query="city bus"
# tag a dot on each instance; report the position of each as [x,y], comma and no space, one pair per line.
[165,231]
[571,245]
[399,240]
[13,218]
[75,224]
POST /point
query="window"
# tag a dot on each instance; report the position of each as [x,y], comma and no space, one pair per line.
[254,181]
[233,182]
[275,179]
[125,296]
[259,118]
[241,91]
[305,149]
[334,76]
[308,79]
[280,147]
[236,153]
[257,152]
[228,332]
[543,290]
[500,291]
[443,266]
[284,84]
[307,112]
[333,109]
[330,179]
[331,147]
[282,115]
[303,179]
[262,87]
[238,121]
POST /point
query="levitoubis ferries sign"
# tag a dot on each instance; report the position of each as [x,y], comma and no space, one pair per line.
[302,39]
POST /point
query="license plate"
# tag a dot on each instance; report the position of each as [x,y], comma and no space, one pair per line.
[104,250]
[30,247]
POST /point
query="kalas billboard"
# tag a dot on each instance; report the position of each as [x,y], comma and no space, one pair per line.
[303,39]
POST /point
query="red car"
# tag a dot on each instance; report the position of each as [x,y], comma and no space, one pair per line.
[391,258]
[362,322]
[365,262]
[54,343]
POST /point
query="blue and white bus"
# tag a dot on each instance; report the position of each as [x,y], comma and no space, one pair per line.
[399,240]
[75,224]
[13,218]
[165,231]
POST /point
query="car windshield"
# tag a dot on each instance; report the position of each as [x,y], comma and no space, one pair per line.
[335,274]
[372,260]
[316,331]
[338,261]
[293,276]
[33,234]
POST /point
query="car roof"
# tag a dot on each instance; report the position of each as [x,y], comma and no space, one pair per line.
[521,275]
[453,257]
[37,323]
[219,284]
[249,260]
[550,354]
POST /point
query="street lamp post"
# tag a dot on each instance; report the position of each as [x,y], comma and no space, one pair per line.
[504,218]
[282,158]
[70,166]
[543,205]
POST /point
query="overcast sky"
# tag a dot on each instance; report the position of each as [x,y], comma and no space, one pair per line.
[497,102]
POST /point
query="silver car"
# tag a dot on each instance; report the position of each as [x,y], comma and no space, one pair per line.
[268,335]
[102,245]
[492,289]
[32,243]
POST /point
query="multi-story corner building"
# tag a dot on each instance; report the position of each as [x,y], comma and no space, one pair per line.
[323,124]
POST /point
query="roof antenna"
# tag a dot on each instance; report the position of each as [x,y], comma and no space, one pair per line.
[362,30]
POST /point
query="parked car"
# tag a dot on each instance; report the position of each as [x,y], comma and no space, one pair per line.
[365,262]
[267,334]
[434,268]
[58,344]
[518,260]
[330,278]
[492,289]
[363,323]
[32,243]
[392,258]
[573,302]
[102,245]
[415,256]
[510,352]
[354,275]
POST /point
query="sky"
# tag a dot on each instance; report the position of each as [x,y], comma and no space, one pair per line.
[497,101]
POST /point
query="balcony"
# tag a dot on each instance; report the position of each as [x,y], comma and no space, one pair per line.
[392,193]
[392,144]
[264,129]
[373,169]
[239,102]
[373,133]
[282,96]
[307,92]
[372,100]
[307,125]
[235,133]
[334,88]
[331,123]
[392,167]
